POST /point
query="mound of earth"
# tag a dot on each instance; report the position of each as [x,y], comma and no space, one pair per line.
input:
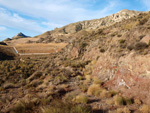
[3,43]
[7,53]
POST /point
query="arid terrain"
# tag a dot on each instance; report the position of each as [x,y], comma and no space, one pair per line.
[39,48]
[97,66]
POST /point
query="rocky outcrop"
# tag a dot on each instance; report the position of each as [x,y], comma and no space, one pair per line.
[3,43]
[98,23]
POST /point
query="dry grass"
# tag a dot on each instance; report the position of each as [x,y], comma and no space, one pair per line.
[83,99]
[94,89]
[123,110]
[145,109]
[61,107]
[96,80]
[105,94]
[137,101]
[40,48]
[118,100]
[110,101]
[8,85]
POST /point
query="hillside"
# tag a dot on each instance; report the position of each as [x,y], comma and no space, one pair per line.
[65,33]
[6,53]
[101,70]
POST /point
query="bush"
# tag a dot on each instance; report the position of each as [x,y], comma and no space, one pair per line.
[105,94]
[58,106]
[145,108]
[140,45]
[122,41]
[60,79]
[118,100]
[102,50]
[143,21]
[123,110]
[96,80]
[83,88]
[137,101]
[94,89]
[82,99]
[127,101]
[23,107]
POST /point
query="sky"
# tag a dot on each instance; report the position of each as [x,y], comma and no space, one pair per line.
[34,17]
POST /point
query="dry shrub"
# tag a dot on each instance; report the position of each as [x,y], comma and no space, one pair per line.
[83,99]
[58,106]
[96,80]
[23,107]
[105,94]
[8,85]
[83,88]
[81,77]
[145,109]
[137,101]
[127,101]
[88,77]
[123,110]
[94,89]
[140,45]
[110,101]
[118,100]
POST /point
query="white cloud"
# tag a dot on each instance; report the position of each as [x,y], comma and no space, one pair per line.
[15,21]
[2,28]
[60,12]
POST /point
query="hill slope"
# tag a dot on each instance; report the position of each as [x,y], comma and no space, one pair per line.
[7,53]
[63,34]
[105,68]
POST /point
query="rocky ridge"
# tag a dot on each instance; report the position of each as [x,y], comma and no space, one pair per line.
[63,33]
[20,35]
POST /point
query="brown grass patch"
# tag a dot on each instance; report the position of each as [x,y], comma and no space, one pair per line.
[40,48]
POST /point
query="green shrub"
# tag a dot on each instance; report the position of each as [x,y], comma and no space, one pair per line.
[118,100]
[58,106]
[140,45]
[127,101]
[122,41]
[102,50]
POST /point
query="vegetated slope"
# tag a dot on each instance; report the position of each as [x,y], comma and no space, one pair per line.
[7,53]
[64,34]
[120,54]
[105,68]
